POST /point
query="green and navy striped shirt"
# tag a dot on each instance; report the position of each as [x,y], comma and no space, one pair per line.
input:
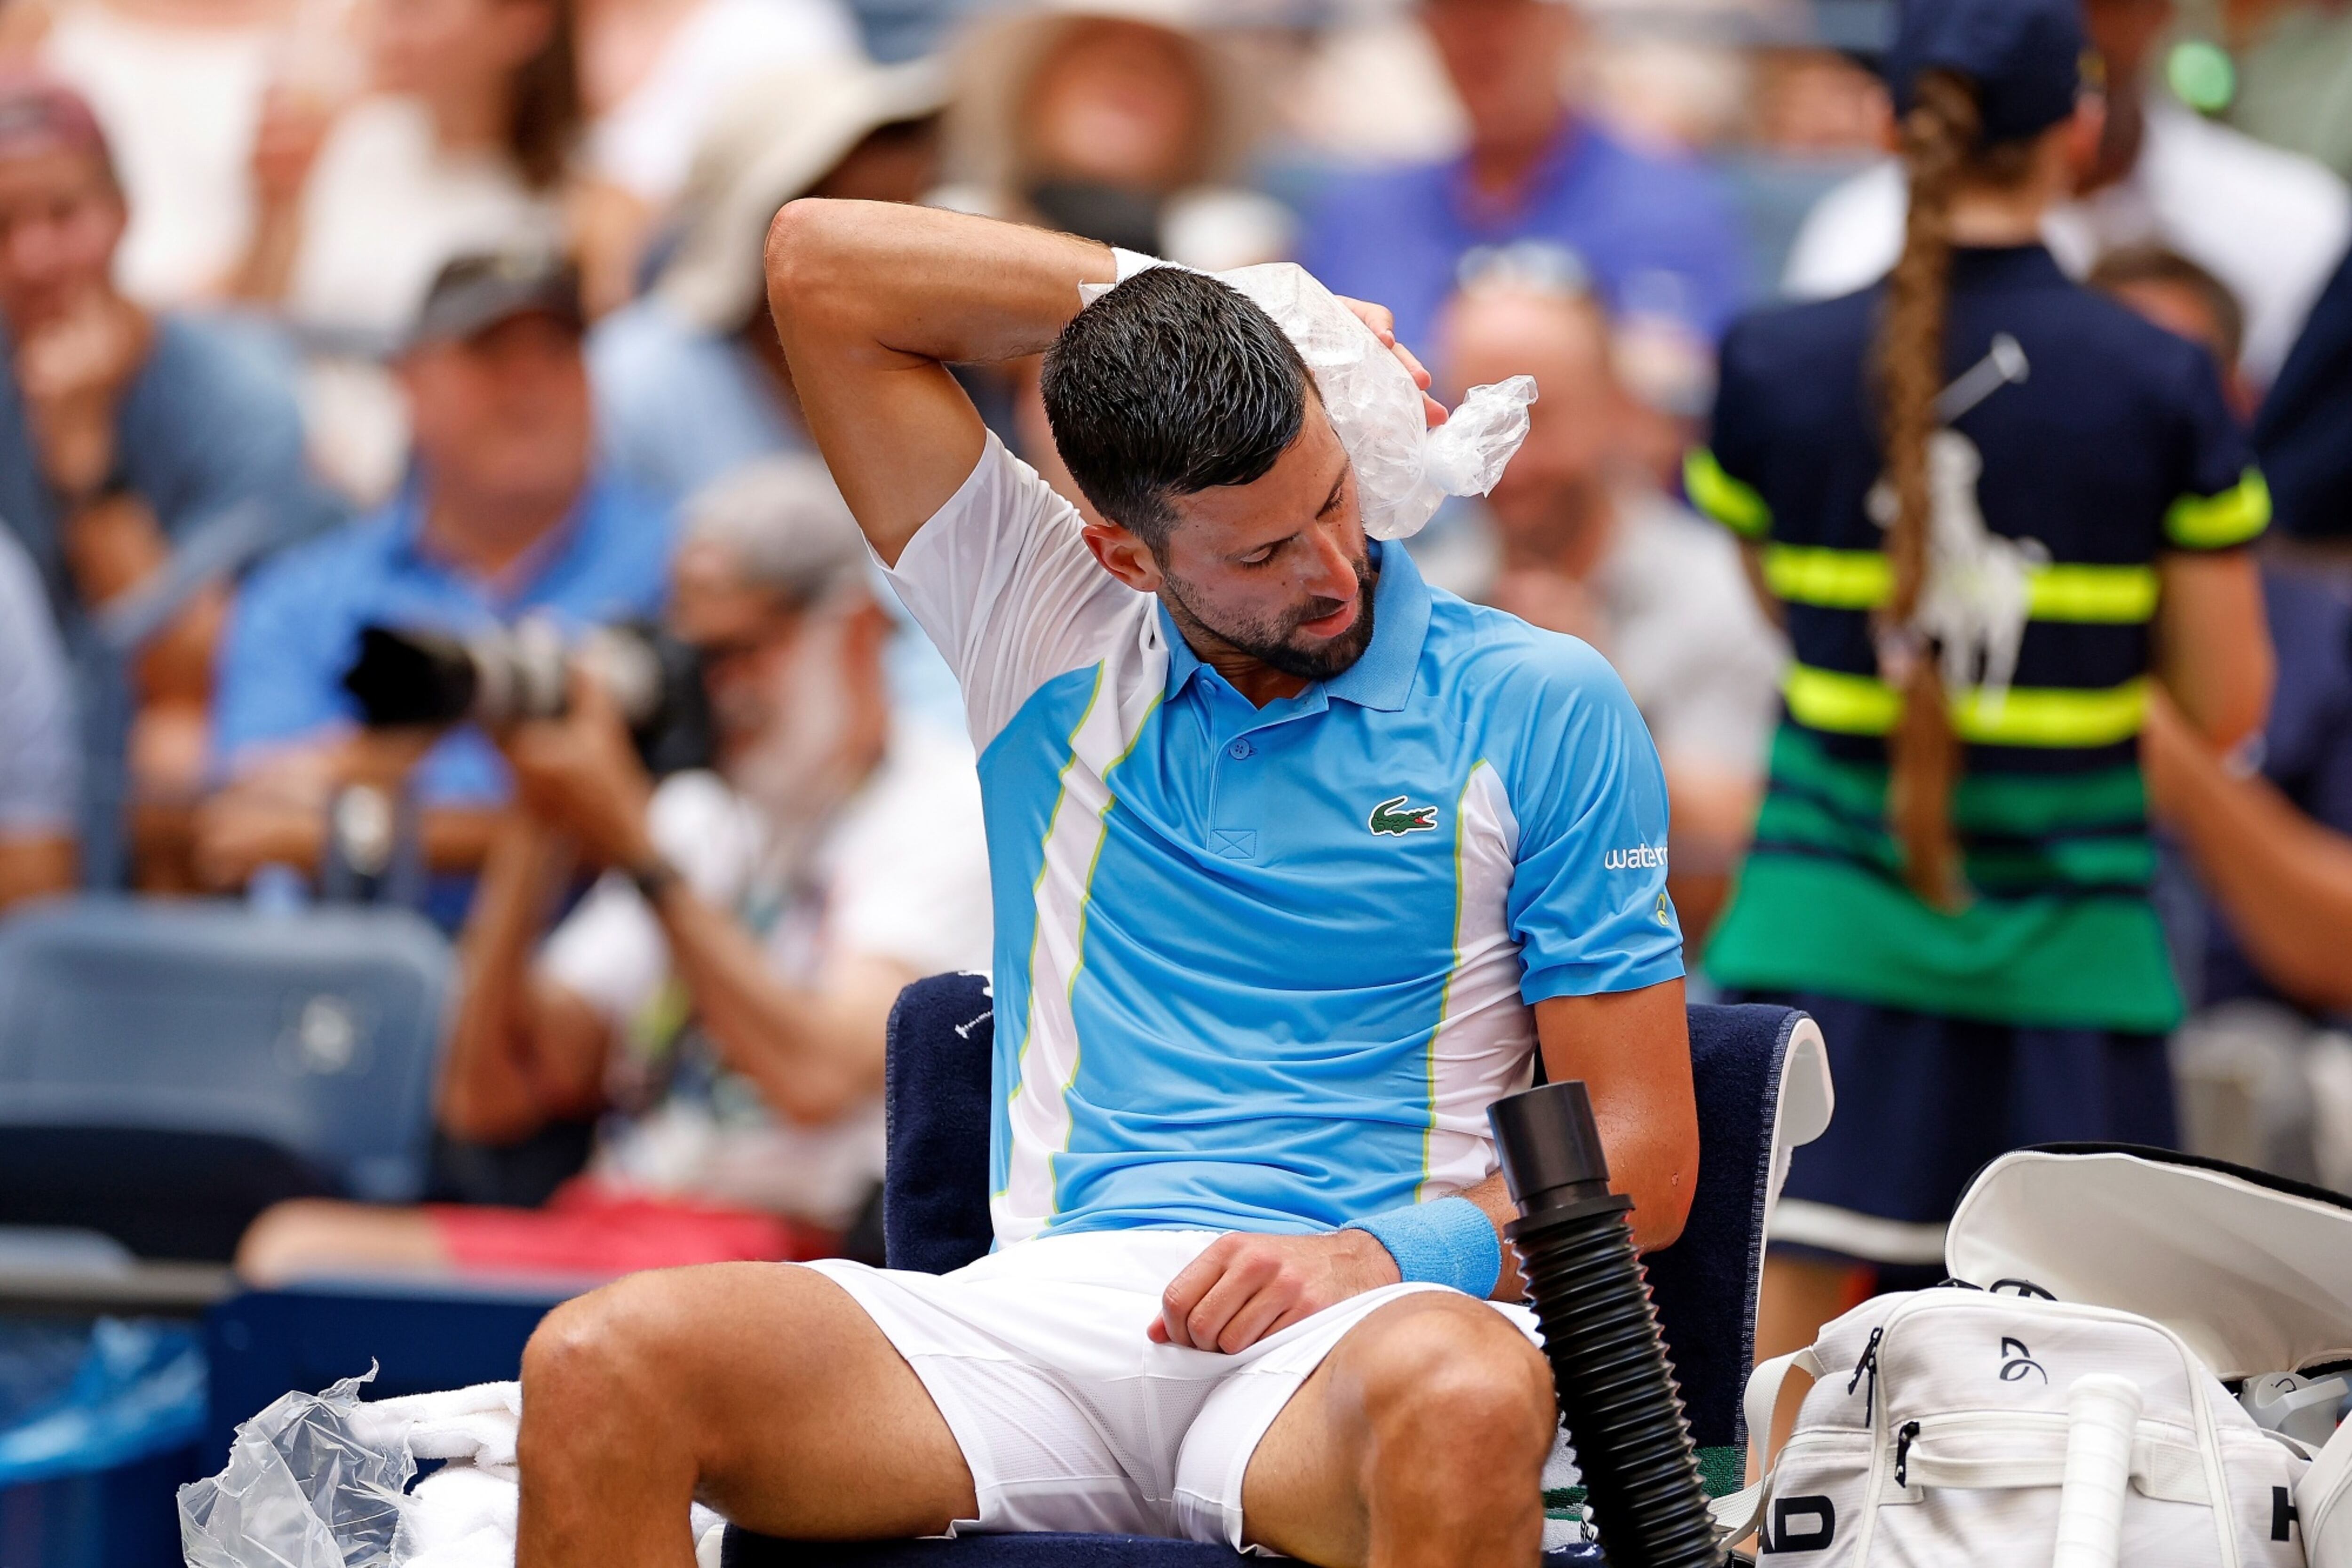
[2113,449]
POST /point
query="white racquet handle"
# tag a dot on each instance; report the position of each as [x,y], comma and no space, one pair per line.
[2102,1418]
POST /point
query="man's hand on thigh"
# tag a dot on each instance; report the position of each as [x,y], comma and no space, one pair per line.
[1243,1288]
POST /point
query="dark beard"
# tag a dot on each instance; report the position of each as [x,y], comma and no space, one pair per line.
[1270,643]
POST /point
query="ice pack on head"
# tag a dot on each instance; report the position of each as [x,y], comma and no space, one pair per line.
[1404,470]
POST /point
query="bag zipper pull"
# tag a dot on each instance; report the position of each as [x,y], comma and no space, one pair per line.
[1869,1363]
[1903,1437]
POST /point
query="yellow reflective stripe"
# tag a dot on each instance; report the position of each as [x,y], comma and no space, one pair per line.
[2216,523]
[1731,503]
[1833,579]
[1863,580]
[2024,715]
[2052,716]
[2120,594]
[1843,704]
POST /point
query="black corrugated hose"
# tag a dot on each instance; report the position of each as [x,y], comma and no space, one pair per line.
[1616,1391]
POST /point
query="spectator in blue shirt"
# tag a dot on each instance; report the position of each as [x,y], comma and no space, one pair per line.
[124,437]
[1658,237]
[506,513]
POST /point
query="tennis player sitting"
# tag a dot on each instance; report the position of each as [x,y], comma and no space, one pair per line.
[1297,863]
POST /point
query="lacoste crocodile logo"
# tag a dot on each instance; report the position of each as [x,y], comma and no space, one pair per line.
[1394,818]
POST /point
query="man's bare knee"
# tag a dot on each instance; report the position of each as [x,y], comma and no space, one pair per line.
[655,1349]
[1457,1383]
[614,1348]
[613,1328]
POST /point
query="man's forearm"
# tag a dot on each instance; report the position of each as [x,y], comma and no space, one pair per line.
[1493,1196]
[814,1053]
[487,1091]
[872,302]
[2285,881]
[922,283]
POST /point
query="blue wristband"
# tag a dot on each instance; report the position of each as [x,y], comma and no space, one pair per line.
[1448,1242]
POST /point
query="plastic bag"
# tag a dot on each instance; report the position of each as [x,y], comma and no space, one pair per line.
[322,1481]
[302,1491]
[1404,470]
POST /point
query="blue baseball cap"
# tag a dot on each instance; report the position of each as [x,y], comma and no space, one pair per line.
[2025,58]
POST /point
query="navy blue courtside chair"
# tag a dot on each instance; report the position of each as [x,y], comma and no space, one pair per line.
[168,1068]
[1763,1086]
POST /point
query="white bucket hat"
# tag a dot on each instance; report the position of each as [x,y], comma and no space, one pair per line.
[775,138]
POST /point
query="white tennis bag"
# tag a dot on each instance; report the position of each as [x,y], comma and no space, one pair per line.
[2081,1419]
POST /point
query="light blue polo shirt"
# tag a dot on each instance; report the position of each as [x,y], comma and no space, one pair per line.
[1266,968]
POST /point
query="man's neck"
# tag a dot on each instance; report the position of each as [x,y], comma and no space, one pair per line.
[486,538]
[1254,678]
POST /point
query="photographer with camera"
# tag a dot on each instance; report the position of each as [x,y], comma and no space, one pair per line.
[507,513]
[723,989]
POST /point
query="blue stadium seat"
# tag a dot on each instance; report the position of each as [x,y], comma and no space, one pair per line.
[1763,1085]
[148,1049]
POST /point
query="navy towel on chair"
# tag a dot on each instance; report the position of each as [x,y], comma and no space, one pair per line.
[1758,1070]
[935,1095]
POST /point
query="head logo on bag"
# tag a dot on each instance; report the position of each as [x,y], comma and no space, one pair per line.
[2016,1361]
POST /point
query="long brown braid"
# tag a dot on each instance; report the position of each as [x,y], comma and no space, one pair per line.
[1939,148]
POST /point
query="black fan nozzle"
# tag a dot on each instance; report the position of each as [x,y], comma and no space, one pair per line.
[1617,1392]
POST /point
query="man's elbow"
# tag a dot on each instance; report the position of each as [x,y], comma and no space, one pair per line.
[1658,1223]
[804,261]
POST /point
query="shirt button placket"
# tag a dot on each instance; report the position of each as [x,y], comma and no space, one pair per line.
[1232,843]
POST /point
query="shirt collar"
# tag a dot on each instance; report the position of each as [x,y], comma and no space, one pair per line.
[2006,266]
[1382,677]
[524,576]
[1552,171]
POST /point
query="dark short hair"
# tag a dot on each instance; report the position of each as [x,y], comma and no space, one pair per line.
[1170,383]
[2131,264]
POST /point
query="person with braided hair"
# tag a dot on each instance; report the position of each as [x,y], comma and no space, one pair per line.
[1993,511]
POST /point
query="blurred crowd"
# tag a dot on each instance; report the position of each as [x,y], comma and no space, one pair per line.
[448,316]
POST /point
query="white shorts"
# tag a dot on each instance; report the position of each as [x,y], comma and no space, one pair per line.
[1070,1419]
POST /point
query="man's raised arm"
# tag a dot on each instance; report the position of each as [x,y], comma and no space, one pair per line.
[872,302]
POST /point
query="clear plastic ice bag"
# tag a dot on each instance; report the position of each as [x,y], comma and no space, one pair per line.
[302,1491]
[1404,470]
[317,1481]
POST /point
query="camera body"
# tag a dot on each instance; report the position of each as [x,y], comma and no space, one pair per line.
[410,677]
